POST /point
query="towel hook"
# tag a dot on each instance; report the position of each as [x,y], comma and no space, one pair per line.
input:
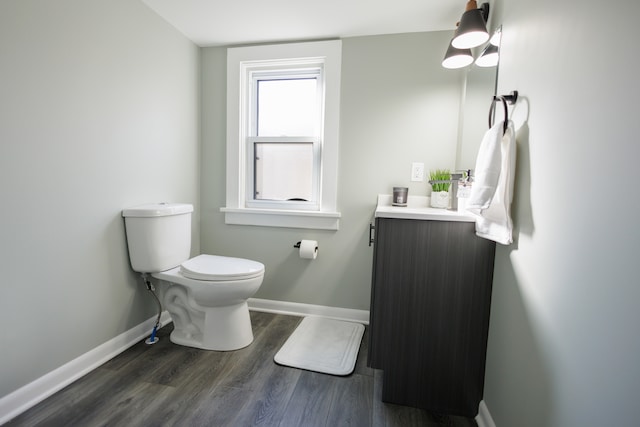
[511,99]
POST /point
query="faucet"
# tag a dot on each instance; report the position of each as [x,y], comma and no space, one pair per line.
[455,178]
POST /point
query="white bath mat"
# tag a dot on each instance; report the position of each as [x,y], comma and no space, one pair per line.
[322,345]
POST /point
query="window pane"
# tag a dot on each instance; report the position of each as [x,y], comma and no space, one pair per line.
[283,171]
[287,107]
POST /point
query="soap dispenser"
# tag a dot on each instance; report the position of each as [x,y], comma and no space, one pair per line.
[464,190]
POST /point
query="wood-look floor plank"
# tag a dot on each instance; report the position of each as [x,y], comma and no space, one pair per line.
[260,321]
[254,364]
[172,367]
[353,404]
[156,363]
[139,351]
[268,401]
[67,404]
[169,385]
[134,406]
[204,371]
[310,403]
[218,407]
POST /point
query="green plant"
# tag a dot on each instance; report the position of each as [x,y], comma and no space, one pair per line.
[440,175]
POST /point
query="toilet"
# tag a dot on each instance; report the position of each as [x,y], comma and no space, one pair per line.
[206,296]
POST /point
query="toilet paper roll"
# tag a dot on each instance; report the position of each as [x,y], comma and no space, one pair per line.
[308,249]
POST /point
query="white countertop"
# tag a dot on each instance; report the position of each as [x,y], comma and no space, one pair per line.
[417,208]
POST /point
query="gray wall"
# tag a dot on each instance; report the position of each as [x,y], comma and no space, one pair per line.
[98,111]
[398,105]
[563,344]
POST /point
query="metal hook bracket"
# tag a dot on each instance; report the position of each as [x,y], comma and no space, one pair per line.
[511,99]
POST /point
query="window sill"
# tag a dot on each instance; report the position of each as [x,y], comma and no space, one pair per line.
[282,218]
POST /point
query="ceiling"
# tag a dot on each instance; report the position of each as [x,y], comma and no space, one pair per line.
[233,22]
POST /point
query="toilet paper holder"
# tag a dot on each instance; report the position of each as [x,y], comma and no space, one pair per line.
[297,246]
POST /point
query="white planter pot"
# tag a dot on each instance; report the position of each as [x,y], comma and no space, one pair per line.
[440,199]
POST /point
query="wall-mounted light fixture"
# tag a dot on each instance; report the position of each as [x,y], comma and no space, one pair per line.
[457,58]
[472,30]
[496,38]
[489,56]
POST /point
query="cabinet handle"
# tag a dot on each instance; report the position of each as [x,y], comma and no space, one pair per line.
[371,234]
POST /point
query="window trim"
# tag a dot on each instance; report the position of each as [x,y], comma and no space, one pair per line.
[239,62]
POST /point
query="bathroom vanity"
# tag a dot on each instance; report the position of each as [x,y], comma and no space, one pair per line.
[430,302]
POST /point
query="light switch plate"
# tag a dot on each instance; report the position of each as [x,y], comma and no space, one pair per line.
[417,172]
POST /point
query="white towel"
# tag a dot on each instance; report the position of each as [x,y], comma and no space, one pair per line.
[494,222]
[487,171]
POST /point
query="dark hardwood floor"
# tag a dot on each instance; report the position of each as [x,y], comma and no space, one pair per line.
[170,385]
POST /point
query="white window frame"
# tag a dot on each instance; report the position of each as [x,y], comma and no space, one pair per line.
[285,70]
[240,208]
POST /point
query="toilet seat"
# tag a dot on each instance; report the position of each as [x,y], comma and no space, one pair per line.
[220,268]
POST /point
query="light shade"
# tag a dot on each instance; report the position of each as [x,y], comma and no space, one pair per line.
[496,37]
[472,30]
[489,57]
[457,58]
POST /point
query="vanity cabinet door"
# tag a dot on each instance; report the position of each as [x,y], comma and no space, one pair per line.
[429,319]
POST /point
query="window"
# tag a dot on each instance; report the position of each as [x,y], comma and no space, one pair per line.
[283,171]
[284,138]
[282,135]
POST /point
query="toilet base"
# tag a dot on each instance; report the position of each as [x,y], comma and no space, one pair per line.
[224,329]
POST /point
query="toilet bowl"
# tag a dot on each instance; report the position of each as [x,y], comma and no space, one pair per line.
[207,296]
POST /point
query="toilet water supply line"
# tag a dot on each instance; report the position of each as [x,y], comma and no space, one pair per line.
[153,338]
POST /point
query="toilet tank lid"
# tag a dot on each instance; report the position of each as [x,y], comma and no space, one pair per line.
[157,209]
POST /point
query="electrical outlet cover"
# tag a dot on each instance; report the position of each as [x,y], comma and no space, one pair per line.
[417,172]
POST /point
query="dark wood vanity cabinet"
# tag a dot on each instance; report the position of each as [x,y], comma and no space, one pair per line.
[429,315]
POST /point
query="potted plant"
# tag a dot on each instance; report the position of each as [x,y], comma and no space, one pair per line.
[440,180]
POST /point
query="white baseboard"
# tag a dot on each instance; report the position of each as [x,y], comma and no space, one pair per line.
[36,391]
[299,309]
[483,419]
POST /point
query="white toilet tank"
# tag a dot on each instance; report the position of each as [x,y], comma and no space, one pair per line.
[158,235]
